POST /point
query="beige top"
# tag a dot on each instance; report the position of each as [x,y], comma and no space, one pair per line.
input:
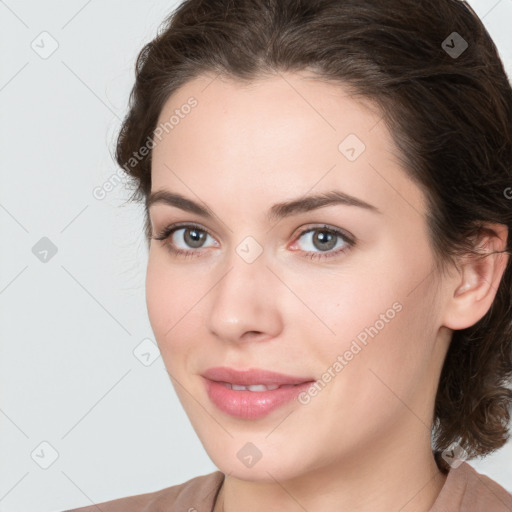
[464,490]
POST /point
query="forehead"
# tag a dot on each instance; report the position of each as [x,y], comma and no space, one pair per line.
[277,137]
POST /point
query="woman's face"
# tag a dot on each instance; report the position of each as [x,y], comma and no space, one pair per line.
[329,291]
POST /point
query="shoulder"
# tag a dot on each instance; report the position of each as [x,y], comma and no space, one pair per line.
[195,495]
[466,490]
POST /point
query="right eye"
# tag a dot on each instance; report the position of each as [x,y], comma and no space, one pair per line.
[191,237]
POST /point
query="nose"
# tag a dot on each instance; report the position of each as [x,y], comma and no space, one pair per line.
[244,304]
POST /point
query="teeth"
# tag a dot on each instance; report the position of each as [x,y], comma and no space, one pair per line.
[254,387]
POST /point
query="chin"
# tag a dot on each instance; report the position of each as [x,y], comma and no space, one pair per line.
[257,461]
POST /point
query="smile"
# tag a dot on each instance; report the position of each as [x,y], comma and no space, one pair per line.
[253,393]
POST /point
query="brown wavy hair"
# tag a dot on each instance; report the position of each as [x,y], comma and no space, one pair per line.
[449,115]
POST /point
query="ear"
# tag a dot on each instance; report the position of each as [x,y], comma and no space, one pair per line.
[472,292]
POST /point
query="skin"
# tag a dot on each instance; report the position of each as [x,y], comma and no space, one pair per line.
[363,443]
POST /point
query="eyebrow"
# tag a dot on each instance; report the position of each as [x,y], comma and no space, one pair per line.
[277,211]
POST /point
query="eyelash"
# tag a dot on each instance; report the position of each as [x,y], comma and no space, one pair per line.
[165,233]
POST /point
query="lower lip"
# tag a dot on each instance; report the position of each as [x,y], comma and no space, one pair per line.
[251,404]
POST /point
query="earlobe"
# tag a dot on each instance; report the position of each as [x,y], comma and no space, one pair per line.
[477,282]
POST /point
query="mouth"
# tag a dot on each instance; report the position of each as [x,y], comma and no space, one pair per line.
[253,377]
[255,387]
[252,393]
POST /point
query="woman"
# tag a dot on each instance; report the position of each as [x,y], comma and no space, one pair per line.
[328,205]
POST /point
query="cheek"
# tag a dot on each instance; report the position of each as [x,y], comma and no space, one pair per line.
[170,299]
[347,302]
[157,297]
[386,359]
[382,322]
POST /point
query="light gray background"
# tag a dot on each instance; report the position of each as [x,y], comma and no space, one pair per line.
[69,326]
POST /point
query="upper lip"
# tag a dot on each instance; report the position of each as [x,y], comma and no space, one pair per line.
[252,376]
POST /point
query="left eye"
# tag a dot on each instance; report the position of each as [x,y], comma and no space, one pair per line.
[323,239]
[328,242]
